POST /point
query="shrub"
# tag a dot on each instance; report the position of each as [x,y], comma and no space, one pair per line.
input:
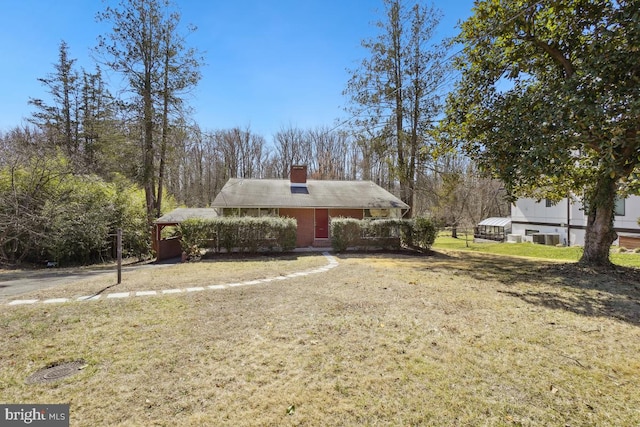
[47,213]
[194,232]
[385,233]
[131,216]
[79,220]
[381,233]
[244,234]
[345,233]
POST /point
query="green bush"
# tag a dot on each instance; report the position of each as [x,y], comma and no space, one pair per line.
[244,234]
[79,221]
[366,234]
[47,213]
[131,216]
[389,234]
[345,233]
[424,233]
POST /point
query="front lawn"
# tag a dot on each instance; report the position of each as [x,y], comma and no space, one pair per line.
[453,339]
[531,250]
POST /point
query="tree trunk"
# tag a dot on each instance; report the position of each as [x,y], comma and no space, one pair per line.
[148,146]
[600,234]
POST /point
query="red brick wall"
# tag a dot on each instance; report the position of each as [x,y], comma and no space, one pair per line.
[298,174]
[306,221]
[306,224]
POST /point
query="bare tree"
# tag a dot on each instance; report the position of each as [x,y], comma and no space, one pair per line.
[292,148]
[330,153]
[242,152]
[457,195]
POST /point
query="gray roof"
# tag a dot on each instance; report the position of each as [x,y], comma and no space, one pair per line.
[496,222]
[280,193]
[181,214]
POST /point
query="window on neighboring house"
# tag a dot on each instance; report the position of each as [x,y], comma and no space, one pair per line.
[619,207]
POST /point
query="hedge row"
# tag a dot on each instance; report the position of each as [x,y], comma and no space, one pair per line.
[242,234]
[387,234]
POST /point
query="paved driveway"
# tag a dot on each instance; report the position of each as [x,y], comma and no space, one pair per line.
[19,282]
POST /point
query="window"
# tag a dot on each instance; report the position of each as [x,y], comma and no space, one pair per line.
[299,190]
[548,203]
[230,211]
[268,212]
[377,213]
[531,232]
[250,212]
[619,207]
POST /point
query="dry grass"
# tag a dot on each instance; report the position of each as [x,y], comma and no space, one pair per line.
[379,340]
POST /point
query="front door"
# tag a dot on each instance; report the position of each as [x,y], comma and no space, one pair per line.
[322,223]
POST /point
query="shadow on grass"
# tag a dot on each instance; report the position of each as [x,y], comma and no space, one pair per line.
[613,293]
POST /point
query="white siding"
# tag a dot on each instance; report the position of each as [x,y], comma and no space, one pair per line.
[528,214]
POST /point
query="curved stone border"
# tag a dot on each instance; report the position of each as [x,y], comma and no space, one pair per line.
[332,263]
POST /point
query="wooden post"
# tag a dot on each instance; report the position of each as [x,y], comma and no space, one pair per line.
[119,254]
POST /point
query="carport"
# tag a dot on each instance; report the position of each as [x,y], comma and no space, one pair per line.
[169,247]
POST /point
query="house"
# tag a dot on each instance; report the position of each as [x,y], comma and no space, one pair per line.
[311,202]
[568,221]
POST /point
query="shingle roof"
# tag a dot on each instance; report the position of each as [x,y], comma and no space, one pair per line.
[279,193]
[178,215]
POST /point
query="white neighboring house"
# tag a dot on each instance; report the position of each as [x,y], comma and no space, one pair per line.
[568,220]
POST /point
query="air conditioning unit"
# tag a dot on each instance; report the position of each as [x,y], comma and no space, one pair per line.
[551,239]
[538,238]
[548,239]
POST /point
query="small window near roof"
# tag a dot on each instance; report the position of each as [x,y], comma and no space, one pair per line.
[299,190]
[548,203]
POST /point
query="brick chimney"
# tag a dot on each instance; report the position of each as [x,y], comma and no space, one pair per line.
[298,174]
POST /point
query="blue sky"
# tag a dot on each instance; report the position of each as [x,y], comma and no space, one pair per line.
[269,64]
